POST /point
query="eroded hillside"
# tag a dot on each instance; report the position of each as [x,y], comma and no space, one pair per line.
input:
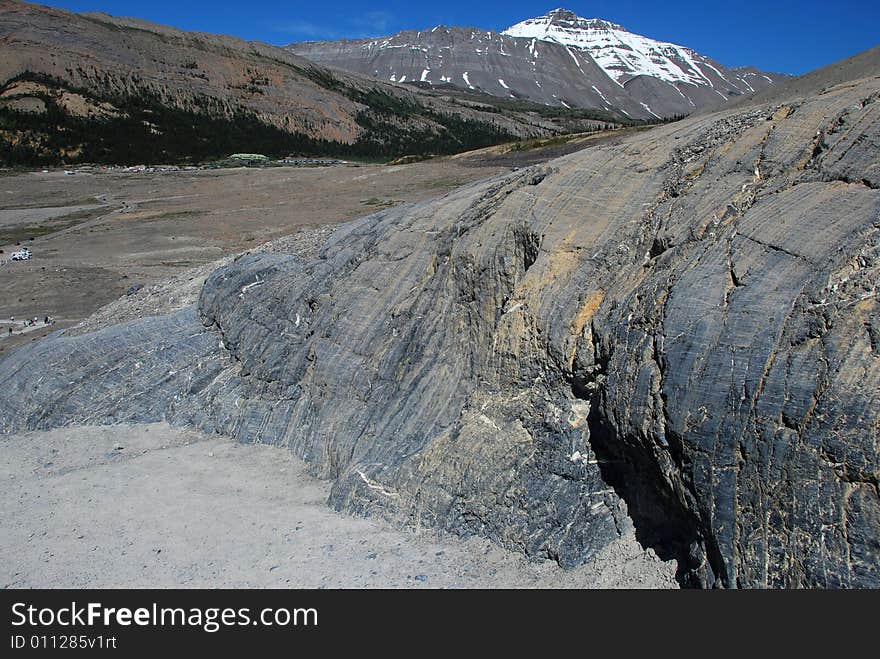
[95,88]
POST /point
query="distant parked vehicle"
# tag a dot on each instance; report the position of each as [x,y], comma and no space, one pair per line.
[21,255]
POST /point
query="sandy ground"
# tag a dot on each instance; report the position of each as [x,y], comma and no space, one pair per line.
[155,506]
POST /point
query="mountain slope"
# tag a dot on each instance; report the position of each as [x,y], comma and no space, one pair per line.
[478,60]
[677,330]
[93,87]
[559,59]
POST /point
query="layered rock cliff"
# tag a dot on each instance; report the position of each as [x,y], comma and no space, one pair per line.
[678,330]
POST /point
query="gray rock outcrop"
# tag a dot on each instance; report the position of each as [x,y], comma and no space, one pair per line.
[679,330]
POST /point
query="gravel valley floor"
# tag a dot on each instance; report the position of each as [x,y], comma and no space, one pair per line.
[156,506]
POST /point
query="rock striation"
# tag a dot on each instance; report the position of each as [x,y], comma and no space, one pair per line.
[678,330]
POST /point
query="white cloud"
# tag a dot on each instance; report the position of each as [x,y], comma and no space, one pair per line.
[369,24]
[304,30]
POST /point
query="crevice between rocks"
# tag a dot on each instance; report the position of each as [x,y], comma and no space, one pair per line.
[663,519]
[660,522]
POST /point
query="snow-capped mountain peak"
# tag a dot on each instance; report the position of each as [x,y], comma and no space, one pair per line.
[621,54]
[564,19]
[557,59]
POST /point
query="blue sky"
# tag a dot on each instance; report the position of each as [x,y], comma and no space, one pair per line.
[783,35]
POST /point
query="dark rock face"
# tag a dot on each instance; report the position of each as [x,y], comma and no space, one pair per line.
[680,329]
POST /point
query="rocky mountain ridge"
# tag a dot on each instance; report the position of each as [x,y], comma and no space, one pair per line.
[557,59]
